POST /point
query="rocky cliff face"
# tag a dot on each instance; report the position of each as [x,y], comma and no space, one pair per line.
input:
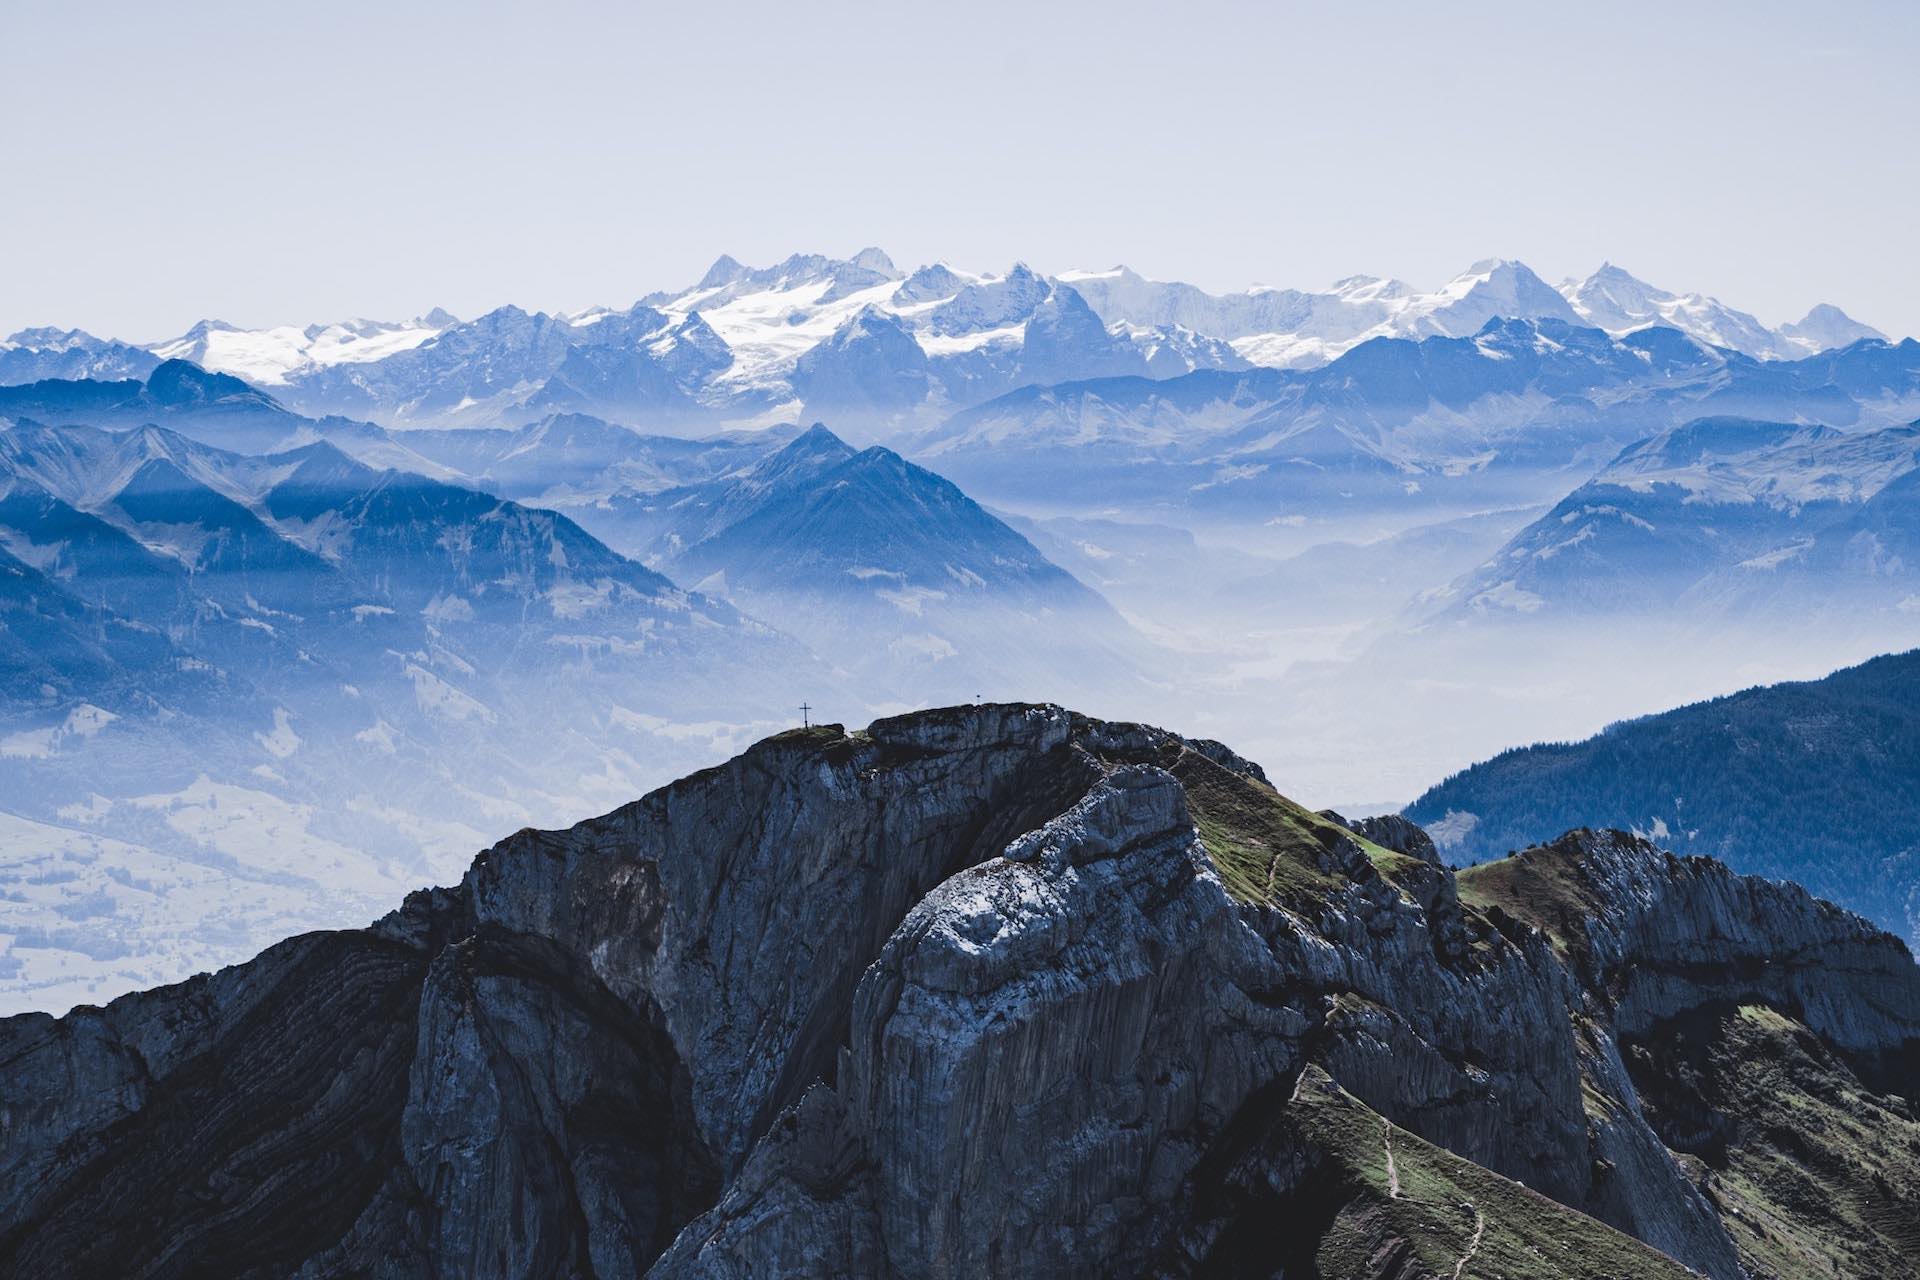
[986,991]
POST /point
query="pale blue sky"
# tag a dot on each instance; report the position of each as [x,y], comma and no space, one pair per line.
[274,163]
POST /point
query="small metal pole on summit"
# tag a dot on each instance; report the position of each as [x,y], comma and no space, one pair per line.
[804,723]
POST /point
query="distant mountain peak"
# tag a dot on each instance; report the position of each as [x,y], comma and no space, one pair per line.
[1488,266]
[875,260]
[1614,299]
[321,474]
[178,382]
[878,456]
[696,329]
[1118,271]
[724,271]
[158,474]
[1508,273]
[1825,327]
[1491,287]
[807,455]
[930,284]
[508,312]
[990,304]
[50,338]
[816,439]
[1504,269]
[1370,284]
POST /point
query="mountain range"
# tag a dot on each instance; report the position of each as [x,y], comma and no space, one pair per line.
[998,990]
[858,340]
[1395,432]
[1724,520]
[214,408]
[1399,429]
[1440,440]
[831,542]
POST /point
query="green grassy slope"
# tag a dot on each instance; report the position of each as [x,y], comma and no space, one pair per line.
[1815,1169]
[1408,1208]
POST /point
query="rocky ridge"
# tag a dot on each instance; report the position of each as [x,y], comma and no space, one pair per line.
[995,990]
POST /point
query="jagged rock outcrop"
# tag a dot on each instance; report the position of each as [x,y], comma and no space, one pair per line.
[985,991]
[1391,831]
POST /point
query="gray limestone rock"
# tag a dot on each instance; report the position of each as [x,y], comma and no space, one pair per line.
[964,994]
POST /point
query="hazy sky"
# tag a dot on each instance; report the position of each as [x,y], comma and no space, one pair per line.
[273,163]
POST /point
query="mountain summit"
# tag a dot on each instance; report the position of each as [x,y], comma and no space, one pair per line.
[826,541]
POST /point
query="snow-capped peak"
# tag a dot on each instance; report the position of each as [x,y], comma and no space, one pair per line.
[1363,289]
[50,339]
[724,271]
[1490,288]
[1825,327]
[991,304]
[876,261]
[1619,302]
[1119,271]
[277,355]
[1615,299]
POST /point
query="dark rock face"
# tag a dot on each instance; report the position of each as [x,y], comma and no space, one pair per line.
[1391,831]
[963,994]
[233,1125]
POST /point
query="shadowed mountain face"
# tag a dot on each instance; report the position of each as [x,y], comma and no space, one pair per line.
[309,541]
[1725,520]
[216,409]
[219,404]
[662,523]
[992,990]
[833,521]
[1817,782]
[885,567]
